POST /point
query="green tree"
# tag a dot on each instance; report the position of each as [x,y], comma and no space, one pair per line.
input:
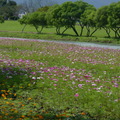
[114,18]
[8,9]
[101,18]
[69,13]
[43,9]
[2,3]
[35,19]
[82,7]
[88,20]
[63,15]
[24,21]
[1,19]
[38,19]
[53,17]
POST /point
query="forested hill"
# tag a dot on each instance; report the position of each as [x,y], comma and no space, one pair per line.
[96,3]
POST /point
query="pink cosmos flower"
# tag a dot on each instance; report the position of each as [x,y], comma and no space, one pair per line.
[76,95]
[88,81]
[80,85]
[115,85]
[55,84]
[94,85]
[87,76]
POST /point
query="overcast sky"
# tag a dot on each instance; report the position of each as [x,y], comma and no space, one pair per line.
[96,3]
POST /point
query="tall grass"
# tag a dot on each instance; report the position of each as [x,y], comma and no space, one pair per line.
[47,80]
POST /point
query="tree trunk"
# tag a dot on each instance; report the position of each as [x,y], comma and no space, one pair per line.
[41,29]
[82,27]
[93,32]
[24,27]
[58,30]
[64,30]
[107,31]
[116,31]
[88,31]
[36,29]
[74,29]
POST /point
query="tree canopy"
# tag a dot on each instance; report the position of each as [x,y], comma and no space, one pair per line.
[8,9]
[35,19]
[79,13]
[1,19]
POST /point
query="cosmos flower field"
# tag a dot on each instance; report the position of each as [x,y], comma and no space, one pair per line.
[55,81]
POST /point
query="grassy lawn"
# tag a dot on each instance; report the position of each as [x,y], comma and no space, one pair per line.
[13,29]
[55,81]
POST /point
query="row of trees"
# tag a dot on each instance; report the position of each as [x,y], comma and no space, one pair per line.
[70,14]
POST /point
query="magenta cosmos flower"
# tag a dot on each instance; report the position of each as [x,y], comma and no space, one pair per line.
[76,95]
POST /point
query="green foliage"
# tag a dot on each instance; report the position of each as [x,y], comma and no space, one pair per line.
[1,19]
[114,18]
[88,20]
[11,3]
[64,15]
[39,80]
[8,10]
[108,18]
[101,17]
[114,15]
[37,19]
[24,19]
[83,6]
[53,17]
[13,29]
[43,9]
[72,15]
[69,14]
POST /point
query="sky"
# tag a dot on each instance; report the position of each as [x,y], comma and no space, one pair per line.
[96,3]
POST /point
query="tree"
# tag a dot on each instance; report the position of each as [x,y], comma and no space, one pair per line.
[8,9]
[52,17]
[11,3]
[88,20]
[82,7]
[1,19]
[63,15]
[24,21]
[69,13]
[114,18]
[101,18]
[38,16]
[2,3]
[35,19]
[43,9]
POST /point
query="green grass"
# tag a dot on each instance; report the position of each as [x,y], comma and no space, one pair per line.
[13,29]
[53,81]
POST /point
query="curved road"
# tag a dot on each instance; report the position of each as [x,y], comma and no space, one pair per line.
[70,42]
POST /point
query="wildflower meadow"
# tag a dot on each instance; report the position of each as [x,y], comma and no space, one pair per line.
[56,81]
